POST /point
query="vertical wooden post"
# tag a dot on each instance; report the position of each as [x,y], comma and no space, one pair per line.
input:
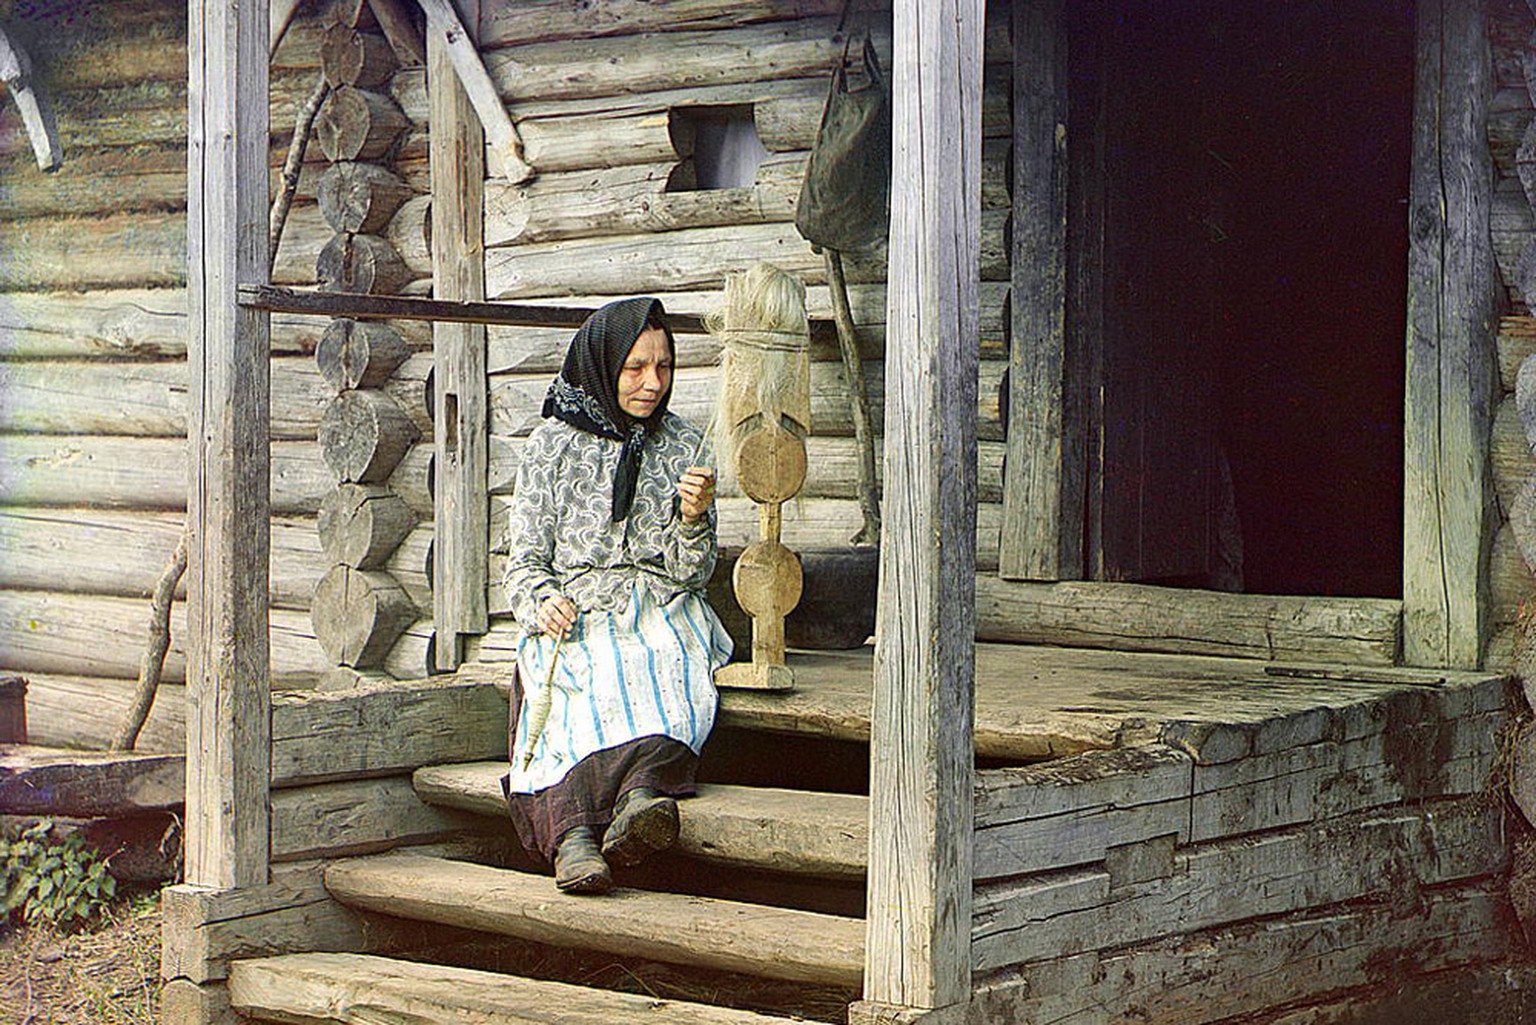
[919,903]
[229,725]
[461,540]
[1043,499]
[1450,379]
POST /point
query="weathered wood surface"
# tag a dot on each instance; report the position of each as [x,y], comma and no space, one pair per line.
[82,712]
[360,525]
[204,929]
[1211,885]
[1376,748]
[1516,341]
[149,473]
[694,258]
[359,353]
[358,124]
[137,323]
[228,625]
[460,403]
[516,400]
[364,435]
[359,614]
[1510,577]
[149,399]
[350,56]
[117,553]
[775,942]
[1510,456]
[545,20]
[1450,352]
[315,987]
[387,729]
[356,817]
[85,784]
[1146,618]
[756,827]
[1247,969]
[94,635]
[362,263]
[922,720]
[360,197]
[1045,504]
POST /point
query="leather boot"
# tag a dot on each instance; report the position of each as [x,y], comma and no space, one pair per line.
[579,866]
[644,822]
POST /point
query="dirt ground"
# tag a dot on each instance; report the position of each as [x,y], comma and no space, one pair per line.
[105,974]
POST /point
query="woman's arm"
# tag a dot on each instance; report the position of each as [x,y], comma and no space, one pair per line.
[688,549]
[530,574]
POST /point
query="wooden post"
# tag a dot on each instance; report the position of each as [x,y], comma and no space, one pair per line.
[1043,497]
[462,520]
[229,698]
[919,904]
[1451,367]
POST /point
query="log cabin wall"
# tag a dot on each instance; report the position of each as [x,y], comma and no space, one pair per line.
[1511,124]
[93,373]
[601,97]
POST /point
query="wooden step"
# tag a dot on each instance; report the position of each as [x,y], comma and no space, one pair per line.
[351,988]
[824,835]
[773,942]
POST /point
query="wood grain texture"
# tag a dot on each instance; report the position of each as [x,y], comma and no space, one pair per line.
[921,729]
[1450,353]
[354,817]
[461,525]
[1044,499]
[228,504]
[313,987]
[85,784]
[774,942]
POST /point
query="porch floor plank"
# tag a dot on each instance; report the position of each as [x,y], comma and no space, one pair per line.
[342,988]
[770,942]
[1034,702]
[816,834]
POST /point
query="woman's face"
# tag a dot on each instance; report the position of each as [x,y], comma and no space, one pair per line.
[647,374]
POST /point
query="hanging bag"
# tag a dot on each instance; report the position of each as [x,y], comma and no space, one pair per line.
[845,198]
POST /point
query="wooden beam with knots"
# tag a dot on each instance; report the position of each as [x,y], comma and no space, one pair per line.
[36,111]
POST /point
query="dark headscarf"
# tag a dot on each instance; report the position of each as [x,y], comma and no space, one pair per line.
[586,394]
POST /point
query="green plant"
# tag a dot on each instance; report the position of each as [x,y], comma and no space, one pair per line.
[51,878]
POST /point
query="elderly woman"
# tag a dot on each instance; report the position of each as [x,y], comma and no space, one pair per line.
[612,540]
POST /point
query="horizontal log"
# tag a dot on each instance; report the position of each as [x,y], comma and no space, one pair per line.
[364,435]
[545,20]
[87,712]
[516,400]
[113,552]
[94,635]
[138,323]
[361,525]
[1509,454]
[1511,582]
[367,264]
[695,258]
[149,399]
[414,655]
[1211,885]
[1516,341]
[1247,970]
[150,474]
[360,197]
[358,124]
[353,57]
[359,353]
[1138,617]
[386,729]
[87,784]
[357,817]
[358,615]
[410,233]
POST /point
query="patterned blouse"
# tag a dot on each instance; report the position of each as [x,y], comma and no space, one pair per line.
[562,538]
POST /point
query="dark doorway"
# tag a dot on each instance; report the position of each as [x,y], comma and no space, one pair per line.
[1253,162]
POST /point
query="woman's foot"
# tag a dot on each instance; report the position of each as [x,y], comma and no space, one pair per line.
[579,865]
[644,822]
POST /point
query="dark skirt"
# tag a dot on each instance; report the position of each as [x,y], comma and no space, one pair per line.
[585,796]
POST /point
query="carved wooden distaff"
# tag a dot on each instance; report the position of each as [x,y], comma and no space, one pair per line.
[764,415]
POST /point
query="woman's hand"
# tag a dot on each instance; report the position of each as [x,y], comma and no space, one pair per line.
[696,492]
[557,614]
